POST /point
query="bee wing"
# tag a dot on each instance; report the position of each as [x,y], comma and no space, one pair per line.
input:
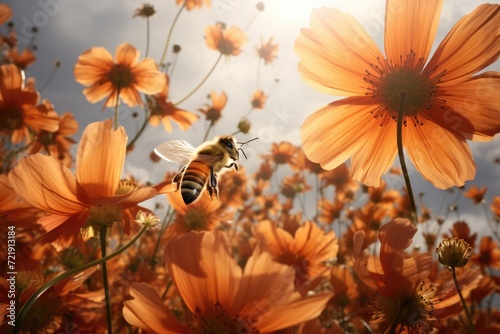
[177,151]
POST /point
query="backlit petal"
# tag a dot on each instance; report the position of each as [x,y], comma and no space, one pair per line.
[126,54]
[147,78]
[100,159]
[401,35]
[147,311]
[333,134]
[474,107]
[92,65]
[470,46]
[203,270]
[442,157]
[335,53]
[46,184]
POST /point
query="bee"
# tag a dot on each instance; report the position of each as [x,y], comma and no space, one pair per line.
[203,165]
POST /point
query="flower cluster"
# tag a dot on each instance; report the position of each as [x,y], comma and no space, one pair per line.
[292,239]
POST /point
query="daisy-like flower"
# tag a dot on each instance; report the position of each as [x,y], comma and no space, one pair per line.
[5,13]
[476,194]
[20,111]
[193,4]
[403,299]
[258,99]
[439,98]
[227,41]
[213,112]
[488,255]
[307,251]
[58,143]
[124,76]
[219,295]
[495,207]
[146,10]
[21,60]
[267,51]
[453,252]
[93,198]
[164,111]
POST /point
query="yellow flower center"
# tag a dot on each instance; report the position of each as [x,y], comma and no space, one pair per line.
[120,76]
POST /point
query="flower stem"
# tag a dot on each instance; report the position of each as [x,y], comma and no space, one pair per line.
[141,130]
[399,135]
[116,123]
[49,80]
[102,237]
[170,34]
[201,83]
[147,37]
[165,223]
[70,273]
[466,309]
[208,131]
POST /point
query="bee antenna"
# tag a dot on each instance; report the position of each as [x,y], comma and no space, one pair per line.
[244,143]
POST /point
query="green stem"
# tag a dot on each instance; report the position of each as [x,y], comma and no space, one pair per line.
[399,134]
[166,221]
[466,309]
[70,273]
[201,83]
[104,266]
[170,33]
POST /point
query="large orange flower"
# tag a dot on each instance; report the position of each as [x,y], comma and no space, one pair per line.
[220,296]
[95,196]
[124,75]
[443,102]
[20,112]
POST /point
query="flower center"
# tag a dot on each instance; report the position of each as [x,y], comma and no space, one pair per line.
[11,119]
[121,76]
[403,84]
[221,322]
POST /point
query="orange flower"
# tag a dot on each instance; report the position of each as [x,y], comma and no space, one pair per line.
[476,194]
[146,10]
[267,51]
[214,112]
[404,301]
[58,143]
[258,99]
[192,4]
[124,76]
[283,153]
[21,60]
[307,251]
[5,13]
[220,296]
[92,198]
[227,41]
[163,111]
[495,207]
[19,112]
[12,208]
[489,254]
[461,230]
[439,98]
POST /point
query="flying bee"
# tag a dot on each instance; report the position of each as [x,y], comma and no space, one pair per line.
[202,165]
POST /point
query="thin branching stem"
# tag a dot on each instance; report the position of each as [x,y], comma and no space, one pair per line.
[104,268]
[167,43]
[466,309]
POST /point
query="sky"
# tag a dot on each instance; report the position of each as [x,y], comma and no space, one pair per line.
[67,28]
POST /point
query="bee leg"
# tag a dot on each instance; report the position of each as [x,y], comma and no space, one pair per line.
[235,166]
[212,188]
[178,177]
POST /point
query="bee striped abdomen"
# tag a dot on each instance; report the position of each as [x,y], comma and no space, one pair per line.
[193,181]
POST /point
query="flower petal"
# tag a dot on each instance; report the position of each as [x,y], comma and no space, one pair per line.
[147,311]
[99,91]
[46,184]
[203,271]
[441,156]
[469,47]
[335,53]
[126,54]
[474,106]
[333,134]
[147,78]
[411,26]
[93,65]
[376,155]
[100,159]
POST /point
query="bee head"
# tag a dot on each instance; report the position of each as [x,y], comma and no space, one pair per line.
[229,143]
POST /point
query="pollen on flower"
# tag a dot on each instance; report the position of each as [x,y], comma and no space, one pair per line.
[126,187]
[454,252]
